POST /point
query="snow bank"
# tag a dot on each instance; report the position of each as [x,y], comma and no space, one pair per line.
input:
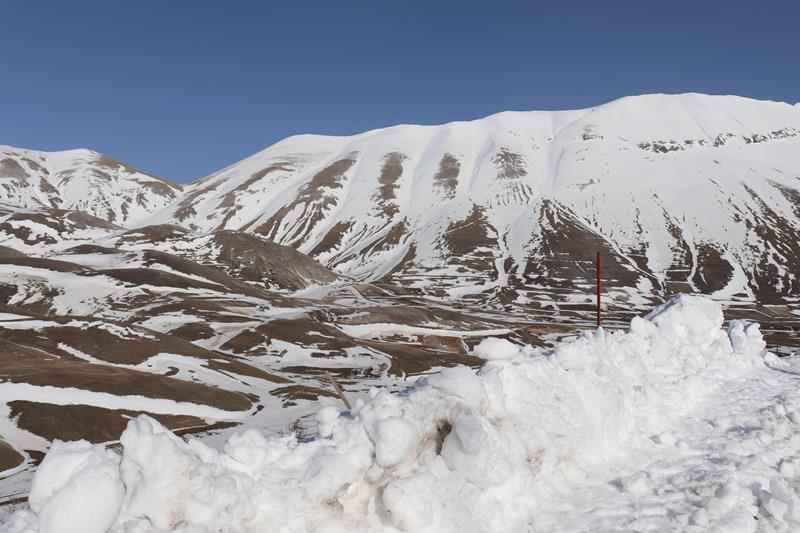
[463,450]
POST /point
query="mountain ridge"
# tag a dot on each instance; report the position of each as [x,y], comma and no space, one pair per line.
[492,201]
[364,204]
[320,136]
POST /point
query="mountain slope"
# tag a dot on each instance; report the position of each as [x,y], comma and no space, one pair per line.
[679,192]
[82,180]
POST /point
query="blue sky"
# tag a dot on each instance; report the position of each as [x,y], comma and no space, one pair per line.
[181,88]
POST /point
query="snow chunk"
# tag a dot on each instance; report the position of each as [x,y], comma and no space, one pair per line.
[494,348]
[396,438]
[746,338]
[77,489]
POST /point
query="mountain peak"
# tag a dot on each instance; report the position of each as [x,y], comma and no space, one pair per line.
[643,117]
[81,179]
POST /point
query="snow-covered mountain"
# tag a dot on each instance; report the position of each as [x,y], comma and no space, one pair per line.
[82,180]
[679,192]
[387,256]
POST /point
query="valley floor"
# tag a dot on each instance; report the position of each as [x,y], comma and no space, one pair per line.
[673,425]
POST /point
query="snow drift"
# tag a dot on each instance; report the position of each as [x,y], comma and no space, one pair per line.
[463,450]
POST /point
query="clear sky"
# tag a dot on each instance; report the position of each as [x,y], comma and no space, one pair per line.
[183,88]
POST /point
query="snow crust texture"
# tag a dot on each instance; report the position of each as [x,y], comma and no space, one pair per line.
[521,444]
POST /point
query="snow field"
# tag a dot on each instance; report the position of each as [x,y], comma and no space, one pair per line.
[534,440]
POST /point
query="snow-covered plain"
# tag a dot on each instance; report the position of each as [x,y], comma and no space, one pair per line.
[675,424]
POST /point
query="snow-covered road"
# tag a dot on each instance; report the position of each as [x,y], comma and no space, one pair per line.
[731,465]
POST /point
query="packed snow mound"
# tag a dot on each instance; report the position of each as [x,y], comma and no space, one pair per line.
[463,450]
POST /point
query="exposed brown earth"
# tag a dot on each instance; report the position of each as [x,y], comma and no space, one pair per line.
[186,266]
[211,309]
[91,249]
[391,171]
[42,263]
[154,234]
[11,169]
[9,457]
[332,239]
[446,178]
[783,238]
[389,241]
[565,256]
[23,364]
[10,253]
[713,271]
[160,278]
[194,331]
[445,344]
[111,163]
[411,359]
[95,424]
[233,259]
[253,258]
[510,165]
[323,339]
[471,241]
[416,314]
[229,202]
[124,345]
[311,200]
[293,393]
[63,222]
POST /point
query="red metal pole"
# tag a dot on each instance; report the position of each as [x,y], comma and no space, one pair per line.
[597,265]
